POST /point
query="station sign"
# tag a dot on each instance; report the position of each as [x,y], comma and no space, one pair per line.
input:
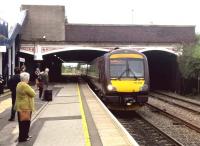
[2,48]
[21,59]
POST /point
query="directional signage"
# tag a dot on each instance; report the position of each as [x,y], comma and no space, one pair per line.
[21,59]
[2,48]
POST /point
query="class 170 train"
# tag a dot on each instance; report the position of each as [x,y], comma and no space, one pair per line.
[120,78]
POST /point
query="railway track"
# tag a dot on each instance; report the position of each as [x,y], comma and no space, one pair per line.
[182,127]
[144,132]
[172,127]
[182,111]
[180,98]
[177,119]
[185,104]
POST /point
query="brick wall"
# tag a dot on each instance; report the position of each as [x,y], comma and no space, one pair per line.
[48,21]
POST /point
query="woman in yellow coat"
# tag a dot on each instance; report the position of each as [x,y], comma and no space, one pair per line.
[24,106]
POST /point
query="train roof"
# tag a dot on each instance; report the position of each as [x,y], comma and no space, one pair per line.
[120,50]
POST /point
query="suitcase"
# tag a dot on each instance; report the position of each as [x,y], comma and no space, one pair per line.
[48,95]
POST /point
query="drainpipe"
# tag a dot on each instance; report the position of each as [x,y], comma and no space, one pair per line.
[198,78]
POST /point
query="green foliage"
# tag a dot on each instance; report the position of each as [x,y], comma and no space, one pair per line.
[2,37]
[189,61]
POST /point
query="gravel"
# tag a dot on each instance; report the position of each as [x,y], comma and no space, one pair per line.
[178,131]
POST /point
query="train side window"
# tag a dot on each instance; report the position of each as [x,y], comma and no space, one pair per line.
[100,70]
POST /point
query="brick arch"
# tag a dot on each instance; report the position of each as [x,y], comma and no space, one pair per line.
[169,50]
[70,48]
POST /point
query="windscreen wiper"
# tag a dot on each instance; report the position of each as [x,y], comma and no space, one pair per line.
[130,70]
[122,74]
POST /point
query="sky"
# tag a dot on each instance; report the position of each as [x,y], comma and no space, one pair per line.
[131,12]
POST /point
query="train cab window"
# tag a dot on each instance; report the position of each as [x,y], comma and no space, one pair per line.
[126,68]
[117,66]
[136,67]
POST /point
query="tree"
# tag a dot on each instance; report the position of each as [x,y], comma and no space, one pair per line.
[2,37]
[189,61]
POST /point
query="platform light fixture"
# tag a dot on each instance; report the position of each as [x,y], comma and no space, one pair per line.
[59,58]
[38,54]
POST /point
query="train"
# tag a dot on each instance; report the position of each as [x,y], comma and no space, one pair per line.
[120,78]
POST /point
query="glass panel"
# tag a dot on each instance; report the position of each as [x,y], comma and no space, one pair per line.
[117,67]
[126,68]
[136,67]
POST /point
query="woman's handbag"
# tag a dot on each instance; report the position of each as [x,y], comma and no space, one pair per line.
[25,115]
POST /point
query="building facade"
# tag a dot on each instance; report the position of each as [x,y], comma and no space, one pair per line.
[3,48]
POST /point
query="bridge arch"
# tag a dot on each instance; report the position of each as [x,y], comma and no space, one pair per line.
[164,49]
[75,48]
[163,69]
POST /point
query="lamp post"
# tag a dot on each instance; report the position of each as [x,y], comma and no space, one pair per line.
[132,11]
[198,79]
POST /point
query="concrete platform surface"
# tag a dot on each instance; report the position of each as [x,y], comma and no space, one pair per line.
[75,117]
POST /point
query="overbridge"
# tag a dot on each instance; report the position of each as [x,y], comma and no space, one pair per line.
[45,49]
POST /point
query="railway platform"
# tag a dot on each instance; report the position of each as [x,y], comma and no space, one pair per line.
[75,117]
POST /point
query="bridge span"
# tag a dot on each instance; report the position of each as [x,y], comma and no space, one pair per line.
[45,49]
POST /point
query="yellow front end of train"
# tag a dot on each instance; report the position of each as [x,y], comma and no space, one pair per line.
[127,86]
[128,80]
[127,72]
[120,78]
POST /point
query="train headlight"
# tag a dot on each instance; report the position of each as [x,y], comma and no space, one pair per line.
[110,87]
[145,87]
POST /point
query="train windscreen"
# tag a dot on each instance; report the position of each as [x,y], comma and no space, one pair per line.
[126,68]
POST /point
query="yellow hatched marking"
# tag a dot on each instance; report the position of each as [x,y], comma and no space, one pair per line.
[126,56]
[5,104]
[84,123]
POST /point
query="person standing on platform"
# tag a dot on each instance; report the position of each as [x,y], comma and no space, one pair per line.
[41,83]
[46,78]
[37,73]
[1,84]
[24,106]
[12,84]
[23,68]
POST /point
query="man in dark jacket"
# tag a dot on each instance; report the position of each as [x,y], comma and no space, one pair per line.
[1,84]
[12,84]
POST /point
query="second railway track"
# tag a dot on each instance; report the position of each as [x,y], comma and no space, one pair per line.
[178,110]
[186,104]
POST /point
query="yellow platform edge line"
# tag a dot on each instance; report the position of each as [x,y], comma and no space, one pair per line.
[84,122]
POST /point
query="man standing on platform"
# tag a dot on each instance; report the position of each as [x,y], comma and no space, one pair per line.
[46,81]
[37,73]
[12,84]
[43,82]
[46,78]
[1,84]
